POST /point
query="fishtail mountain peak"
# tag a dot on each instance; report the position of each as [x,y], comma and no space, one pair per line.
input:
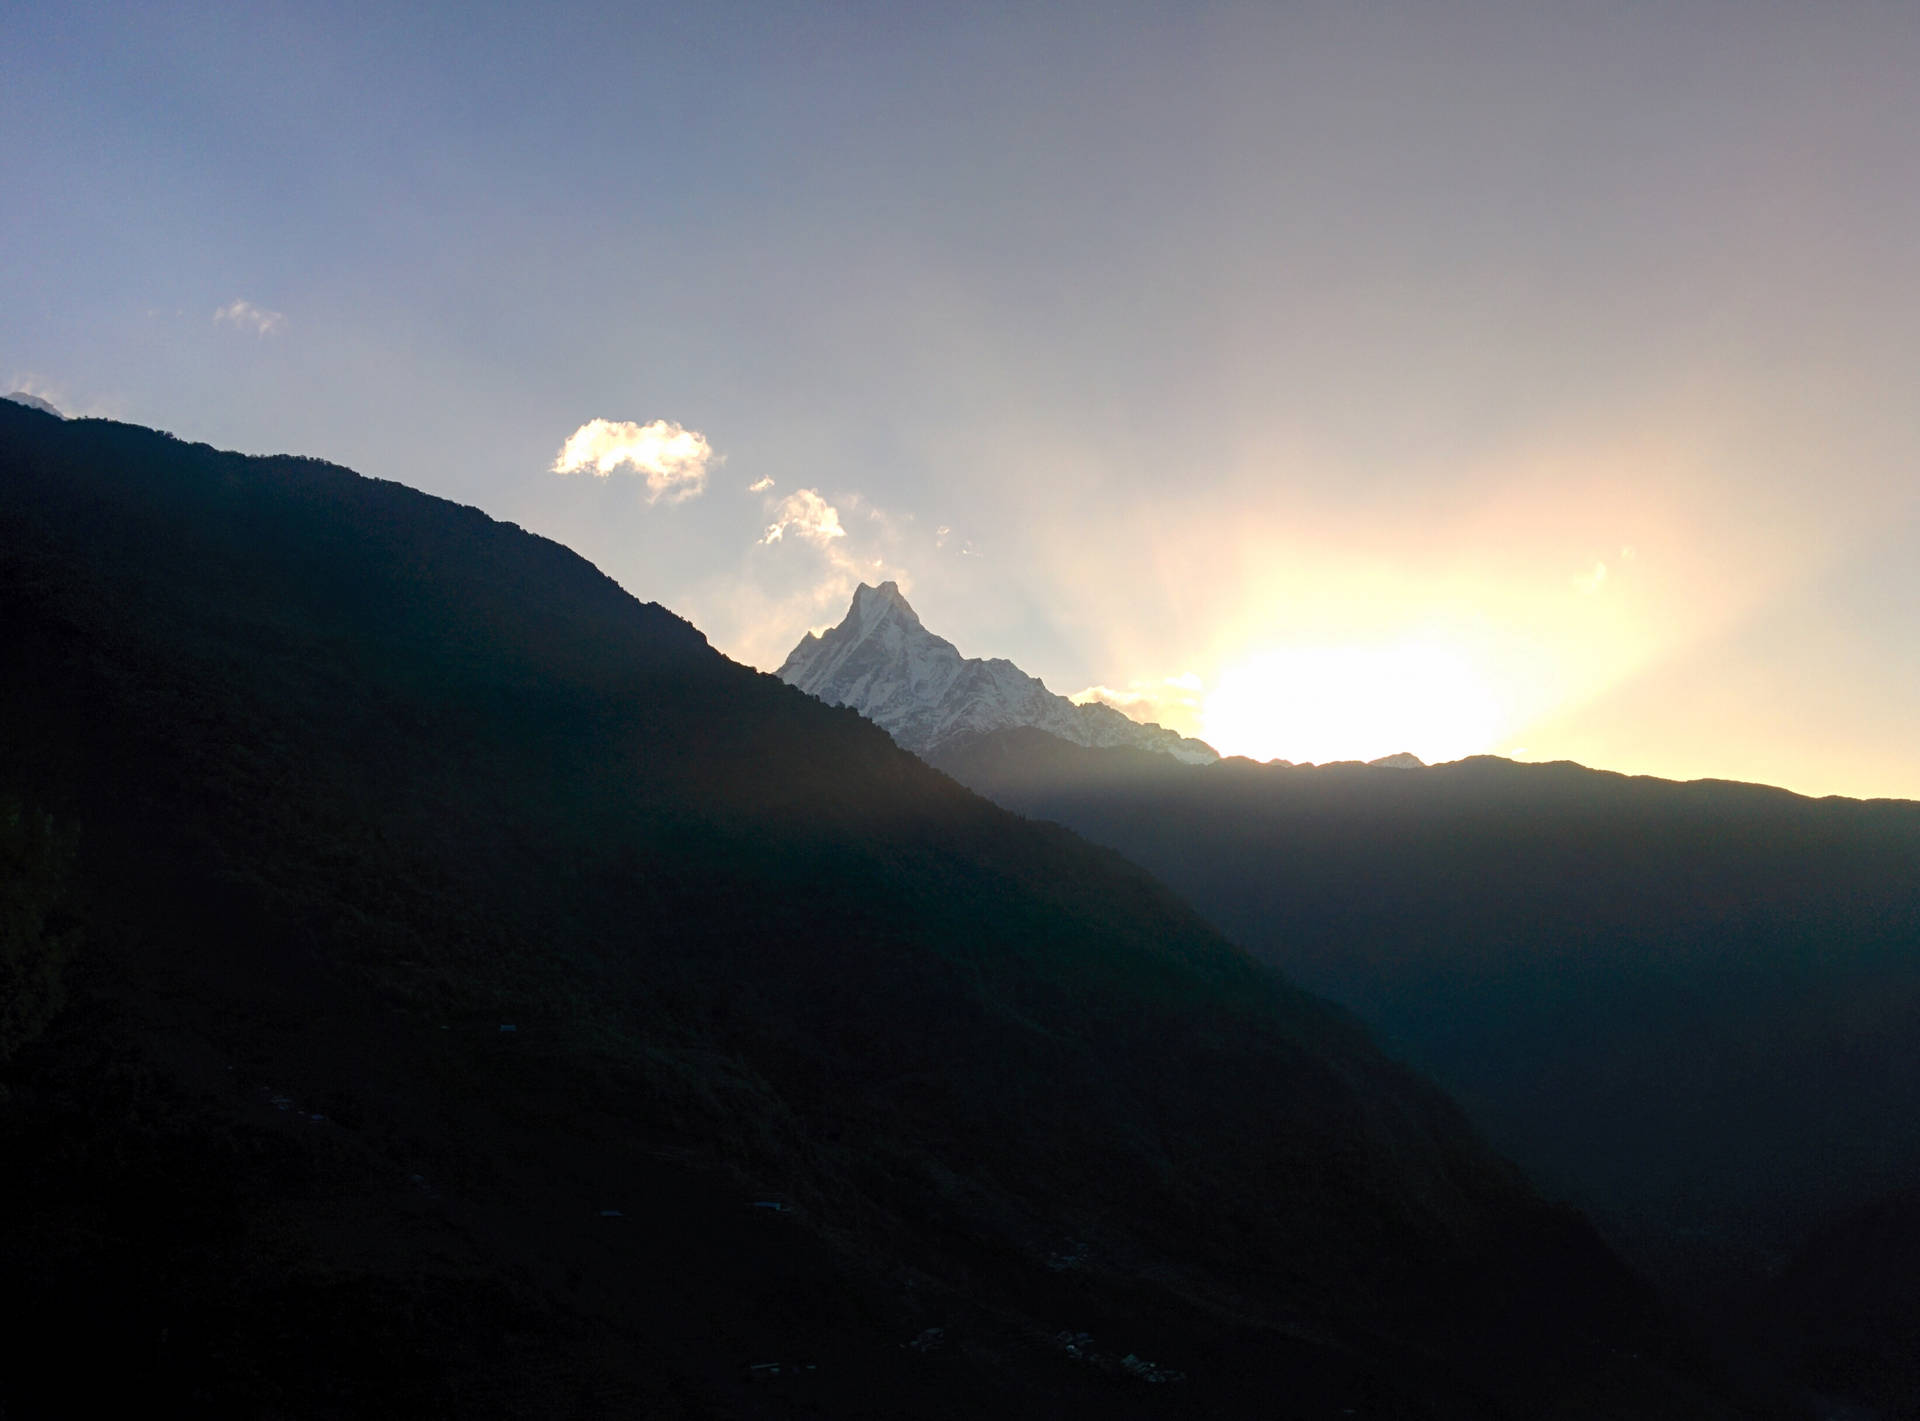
[883,661]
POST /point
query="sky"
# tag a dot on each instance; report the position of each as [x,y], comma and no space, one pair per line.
[1328,381]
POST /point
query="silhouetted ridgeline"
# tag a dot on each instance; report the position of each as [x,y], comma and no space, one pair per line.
[1691,1008]
[467,952]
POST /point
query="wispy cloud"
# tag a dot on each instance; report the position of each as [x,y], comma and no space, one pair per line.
[71,403]
[760,485]
[39,388]
[1172,700]
[809,559]
[805,514]
[246,316]
[672,460]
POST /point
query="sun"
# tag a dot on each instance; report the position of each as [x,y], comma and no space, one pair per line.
[1315,704]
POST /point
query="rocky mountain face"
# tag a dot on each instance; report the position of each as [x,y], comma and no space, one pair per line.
[917,686]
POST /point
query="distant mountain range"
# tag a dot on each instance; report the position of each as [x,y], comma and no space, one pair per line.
[918,687]
[1692,1009]
[882,661]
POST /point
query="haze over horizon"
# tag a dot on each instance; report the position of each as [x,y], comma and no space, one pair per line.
[1321,383]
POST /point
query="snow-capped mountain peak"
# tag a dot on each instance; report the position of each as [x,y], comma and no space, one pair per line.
[871,604]
[882,661]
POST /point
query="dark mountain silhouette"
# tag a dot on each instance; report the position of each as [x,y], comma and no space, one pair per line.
[458,990]
[1693,1009]
[1843,1317]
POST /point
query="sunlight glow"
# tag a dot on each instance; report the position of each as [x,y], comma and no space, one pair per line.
[1315,704]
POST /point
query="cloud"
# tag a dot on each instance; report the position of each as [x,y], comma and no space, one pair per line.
[1171,701]
[249,317]
[672,460]
[760,485]
[40,389]
[805,514]
[1592,582]
[70,403]
[812,589]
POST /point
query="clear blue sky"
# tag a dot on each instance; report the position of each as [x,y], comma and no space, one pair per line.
[1466,376]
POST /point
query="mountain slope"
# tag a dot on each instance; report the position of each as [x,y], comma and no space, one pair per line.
[885,664]
[466,951]
[1689,1007]
[1843,1316]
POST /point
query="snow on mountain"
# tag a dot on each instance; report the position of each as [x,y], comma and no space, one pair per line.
[919,688]
[21,397]
[1405,760]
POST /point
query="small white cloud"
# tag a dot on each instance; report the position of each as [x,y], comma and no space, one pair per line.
[805,514]
[1171,700]
[760,485]
[1592,582]
[792,589]
[672,460]
[249,317]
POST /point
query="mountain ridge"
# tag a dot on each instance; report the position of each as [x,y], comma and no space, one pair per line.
[884,662]
[1688,1007]
[469,948]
